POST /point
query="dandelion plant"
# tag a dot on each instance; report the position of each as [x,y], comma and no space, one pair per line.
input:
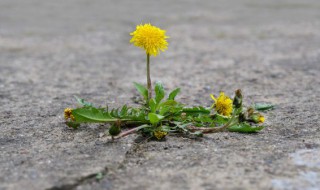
[162,115]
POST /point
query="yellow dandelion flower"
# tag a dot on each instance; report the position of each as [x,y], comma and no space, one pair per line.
[222,104]
[68,114]
[261,119]
[150,38]
[159,134]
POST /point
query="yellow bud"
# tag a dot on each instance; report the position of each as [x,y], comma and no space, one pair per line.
[159,134]
[68,113]
[257,118]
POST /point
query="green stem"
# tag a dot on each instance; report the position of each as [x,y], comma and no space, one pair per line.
[149,78]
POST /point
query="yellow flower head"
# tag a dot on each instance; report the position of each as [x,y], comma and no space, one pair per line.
[152,39]
[68,114]
[222,104]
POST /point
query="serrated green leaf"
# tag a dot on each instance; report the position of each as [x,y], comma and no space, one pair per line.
[245,128]
[83,102]
[263,106]
[124,110]
[92,115]
[115,113]
[134,114]
[173,94]
[142,90]
[155,118]
[159,92]
[101,115]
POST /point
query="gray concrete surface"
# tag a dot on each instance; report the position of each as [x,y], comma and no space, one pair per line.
[52,50]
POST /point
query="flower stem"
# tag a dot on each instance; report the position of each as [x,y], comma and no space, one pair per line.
[149,78]
[216,129]
[128,132]
[210,129]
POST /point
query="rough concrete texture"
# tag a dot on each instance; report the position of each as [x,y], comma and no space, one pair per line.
[52,50]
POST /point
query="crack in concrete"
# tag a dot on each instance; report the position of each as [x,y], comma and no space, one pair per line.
[83,180]
[92,177]
[131,152]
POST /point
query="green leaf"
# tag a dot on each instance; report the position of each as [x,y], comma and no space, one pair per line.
[135,114]
[203,119]
[165,128]
[153,105]
[170,107]
[173,94]
[196,110]
[181,126]
[164,109]
[220,119]
[83,102]
[124,110]
[102,115]
[245,128]
[159,92]
[169,103]
[263,106]
[92,115]
[142,90]
[155,118]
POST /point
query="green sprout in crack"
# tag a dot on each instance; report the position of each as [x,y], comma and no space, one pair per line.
[161,115]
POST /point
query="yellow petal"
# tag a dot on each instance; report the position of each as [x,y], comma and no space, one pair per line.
[213,98]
